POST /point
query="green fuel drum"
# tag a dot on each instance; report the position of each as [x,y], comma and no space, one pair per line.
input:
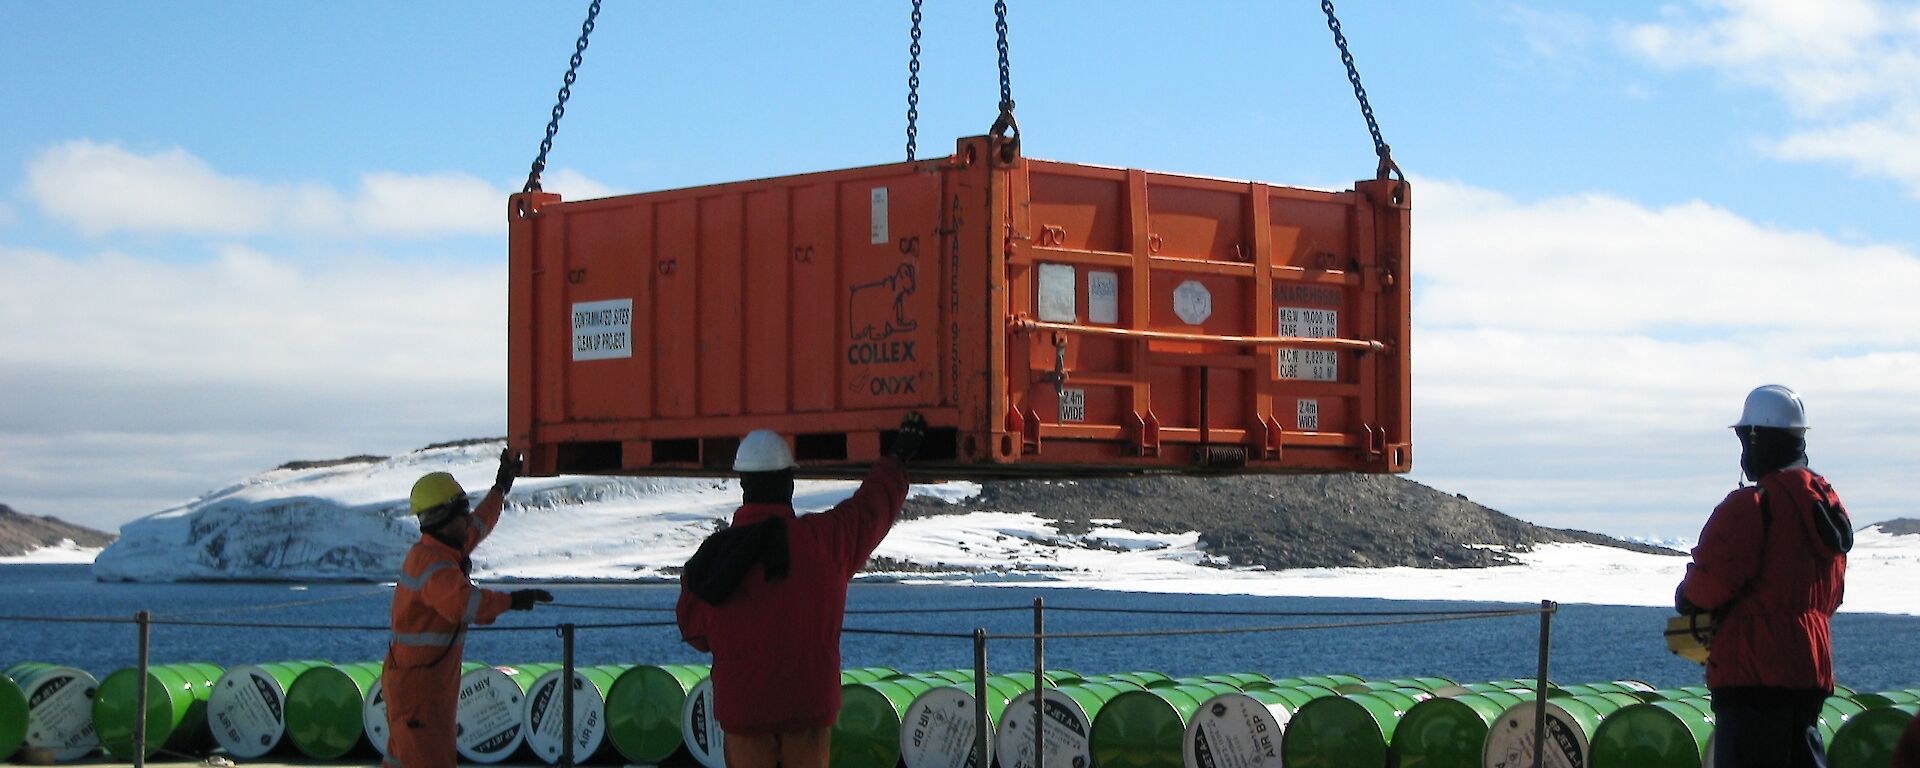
[1345,731]
[545,714]
[1868,738]
[13,717]
[941,726]
[1571,721]
[59,709]
[643,710]
[324,709]
[1242,730]
[867,732]
[373,716]
[247,711]
[491,718]
[176,714]
[1067,715]
[1146,729]
[700,730]
[1447,732]
[1670,733]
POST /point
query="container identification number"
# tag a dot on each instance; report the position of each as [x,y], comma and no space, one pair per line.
[603,330]
[1308,364]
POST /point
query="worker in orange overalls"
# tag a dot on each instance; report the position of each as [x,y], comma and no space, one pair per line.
[433,602]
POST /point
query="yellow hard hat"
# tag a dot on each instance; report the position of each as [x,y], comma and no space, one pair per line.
[433,490]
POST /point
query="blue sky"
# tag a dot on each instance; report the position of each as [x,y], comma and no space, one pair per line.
[235,234]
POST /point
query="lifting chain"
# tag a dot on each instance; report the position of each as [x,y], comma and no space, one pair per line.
[560,107]
[1005,125]
[913,83]
[1380,148]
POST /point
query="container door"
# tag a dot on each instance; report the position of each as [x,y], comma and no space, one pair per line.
[1205,324]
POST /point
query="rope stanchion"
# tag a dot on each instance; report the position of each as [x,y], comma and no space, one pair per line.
[145,620]
[980,697]
[566,692]
[1547,609]
[1039,681]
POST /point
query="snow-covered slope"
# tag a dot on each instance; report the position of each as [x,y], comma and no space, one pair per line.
[350,522]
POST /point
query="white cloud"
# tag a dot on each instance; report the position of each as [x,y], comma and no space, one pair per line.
[1850,69]
[161,378]
[397,204]
[574,185]
[1577,359]
[102,188]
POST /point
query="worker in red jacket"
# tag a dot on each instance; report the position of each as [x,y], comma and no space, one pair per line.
[433,602]
[766,596]
[1770,566]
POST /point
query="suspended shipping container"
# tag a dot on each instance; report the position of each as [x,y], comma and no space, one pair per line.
[1048,318]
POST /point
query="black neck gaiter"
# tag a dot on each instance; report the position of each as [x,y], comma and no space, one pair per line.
[1767,450]
[774,487]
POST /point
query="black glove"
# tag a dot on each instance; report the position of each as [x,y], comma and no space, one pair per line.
[906,442]
[509,469]
[523,599]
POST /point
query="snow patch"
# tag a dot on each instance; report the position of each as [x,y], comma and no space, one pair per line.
[350,522]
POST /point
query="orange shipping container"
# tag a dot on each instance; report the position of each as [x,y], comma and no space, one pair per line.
[1047,318]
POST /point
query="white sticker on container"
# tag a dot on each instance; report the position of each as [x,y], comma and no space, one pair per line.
[1192,302]
[1056,293]
[1103,297]
[879,225]
[1308,364]
[603,330]
[1073,405]
[1307,416]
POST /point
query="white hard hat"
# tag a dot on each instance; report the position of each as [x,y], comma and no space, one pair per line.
[762,451]
[1774,406]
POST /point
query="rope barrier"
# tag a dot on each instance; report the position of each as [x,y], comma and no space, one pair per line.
[277,606]
[164,619]
[1191,612]
[1254,630]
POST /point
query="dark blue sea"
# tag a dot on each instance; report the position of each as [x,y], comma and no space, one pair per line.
[1590,642]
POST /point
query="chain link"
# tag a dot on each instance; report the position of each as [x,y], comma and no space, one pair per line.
[913,84]
[1004,125]
[1006,82]
[1380,147]
[560,107]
